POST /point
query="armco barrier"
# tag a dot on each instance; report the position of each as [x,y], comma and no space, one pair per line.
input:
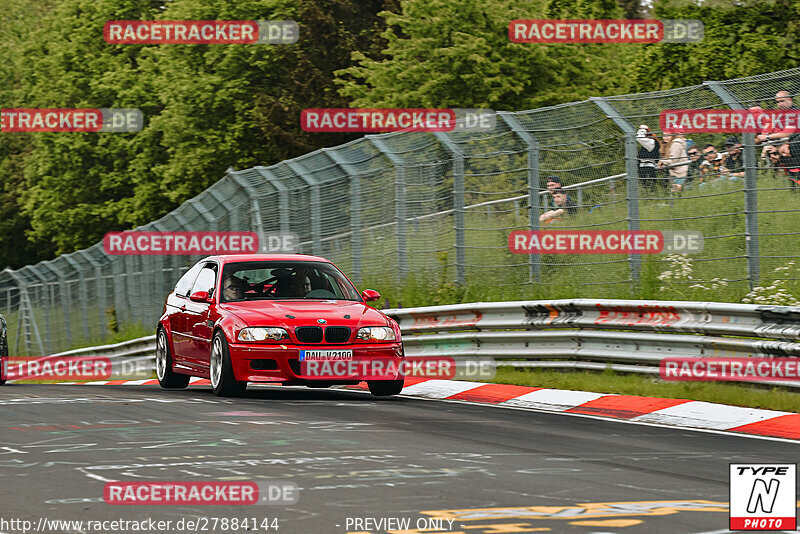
[134,356]
[627,335]
[580,330]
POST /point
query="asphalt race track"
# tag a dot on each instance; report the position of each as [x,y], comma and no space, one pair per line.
[489,470]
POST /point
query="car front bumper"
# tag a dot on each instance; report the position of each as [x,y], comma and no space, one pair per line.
[253,362]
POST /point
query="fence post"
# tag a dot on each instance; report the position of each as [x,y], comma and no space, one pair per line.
[118,267]
[66,303]
[180,262]
[101,289]
[46,305]
[355,209]
[159,268]
[316,217]
[534,205]
[255,207]
[458,203]
[401,213]
[750,187]
[632,170]
[283,197]
[83,297]
[25,314]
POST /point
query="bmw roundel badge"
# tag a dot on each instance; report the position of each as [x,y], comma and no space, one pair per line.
[321,321]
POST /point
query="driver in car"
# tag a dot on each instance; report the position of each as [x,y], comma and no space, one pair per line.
[233,288]
[305,287]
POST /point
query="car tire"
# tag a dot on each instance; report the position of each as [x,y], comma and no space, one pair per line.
[167,378]
[223,383]
[385,388]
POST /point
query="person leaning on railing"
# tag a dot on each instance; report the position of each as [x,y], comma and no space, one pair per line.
[563,206]
[784,102]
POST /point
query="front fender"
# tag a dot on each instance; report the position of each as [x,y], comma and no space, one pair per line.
[230,326]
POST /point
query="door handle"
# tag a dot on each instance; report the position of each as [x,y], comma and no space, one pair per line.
[183,307]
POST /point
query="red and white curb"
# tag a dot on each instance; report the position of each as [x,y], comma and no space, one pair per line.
[660,411]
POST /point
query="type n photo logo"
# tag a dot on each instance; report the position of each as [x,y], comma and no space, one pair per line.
[763,497]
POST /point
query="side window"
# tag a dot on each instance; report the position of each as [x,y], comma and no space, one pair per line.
[206,280]
[183,285]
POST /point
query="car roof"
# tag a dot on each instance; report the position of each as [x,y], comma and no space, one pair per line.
[235,258]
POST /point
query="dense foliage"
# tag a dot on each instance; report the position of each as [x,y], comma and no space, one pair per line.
[210,107]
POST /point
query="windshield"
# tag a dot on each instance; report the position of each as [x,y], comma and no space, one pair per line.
[271,280]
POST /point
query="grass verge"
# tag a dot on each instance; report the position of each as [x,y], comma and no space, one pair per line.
[608,381]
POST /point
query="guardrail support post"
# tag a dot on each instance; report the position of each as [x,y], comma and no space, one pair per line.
[632,169]
[316,217]
[400,204]
[534,204]
[750,187]
[458,204]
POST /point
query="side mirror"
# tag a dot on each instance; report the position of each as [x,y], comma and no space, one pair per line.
[200,296]
[370,294]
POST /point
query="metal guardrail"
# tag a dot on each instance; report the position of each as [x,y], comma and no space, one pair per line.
[625,335]
[129,358]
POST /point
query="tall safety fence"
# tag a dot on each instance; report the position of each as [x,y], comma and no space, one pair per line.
[433,210]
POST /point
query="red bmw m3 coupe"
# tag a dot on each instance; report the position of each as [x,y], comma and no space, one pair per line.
[290,319]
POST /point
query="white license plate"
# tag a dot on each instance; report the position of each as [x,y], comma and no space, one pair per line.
[306,355]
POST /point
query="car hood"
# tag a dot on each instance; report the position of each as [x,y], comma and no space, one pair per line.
[291,313]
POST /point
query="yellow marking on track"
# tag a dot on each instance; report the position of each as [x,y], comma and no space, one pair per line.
[509,528]
[609,523]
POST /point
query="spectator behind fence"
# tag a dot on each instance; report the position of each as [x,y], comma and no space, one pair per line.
[553,183]
[563,206]
[783,100]
[790,158]
[675,154]
[733,161]
[693,169]
[649,156]
[711,165]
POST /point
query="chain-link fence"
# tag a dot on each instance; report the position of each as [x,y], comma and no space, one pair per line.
[435,209]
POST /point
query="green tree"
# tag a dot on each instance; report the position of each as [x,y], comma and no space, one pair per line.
[206,107]
[741,38]
[458,54]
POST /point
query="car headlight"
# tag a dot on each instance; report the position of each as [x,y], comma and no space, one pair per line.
[260,333]
[376,333]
